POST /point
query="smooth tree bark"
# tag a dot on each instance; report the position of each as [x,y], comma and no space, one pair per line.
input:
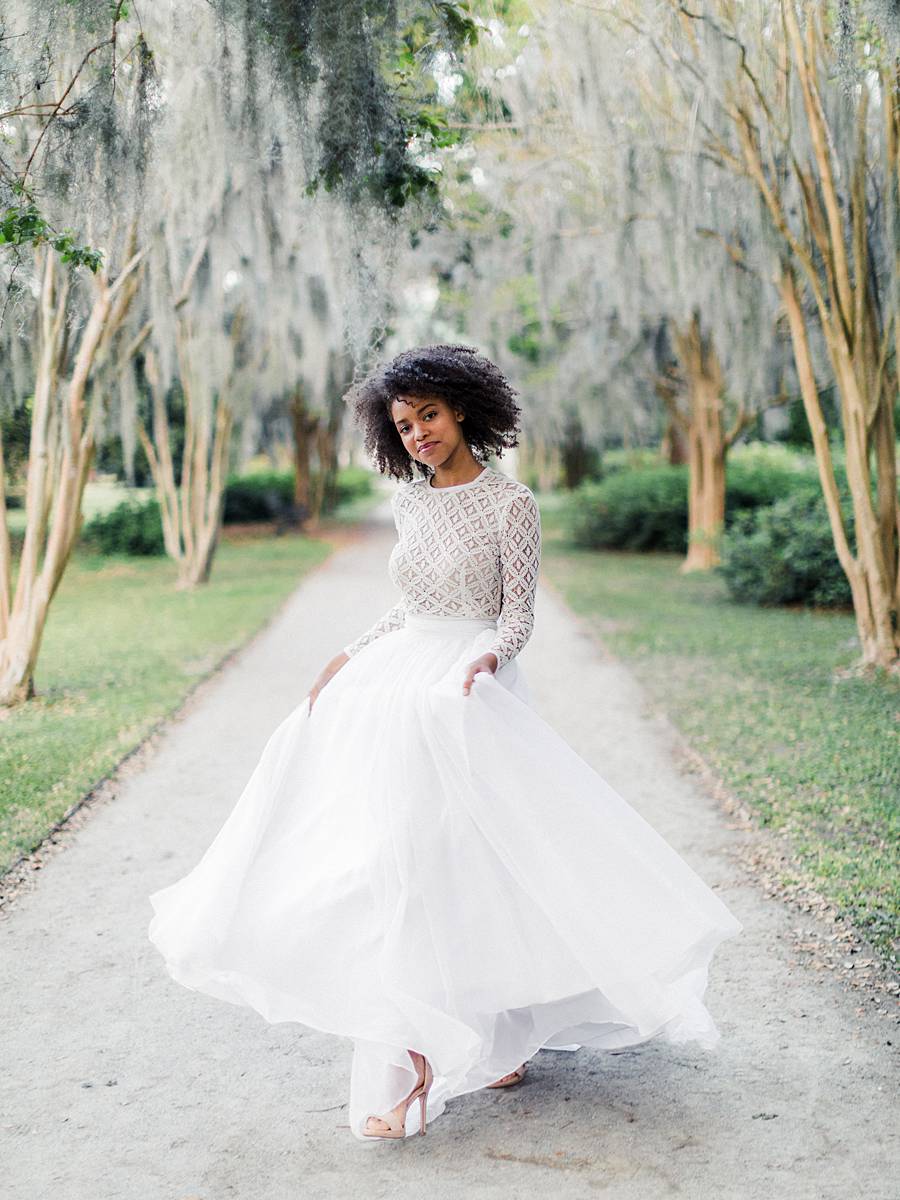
[65,410]
[192,503]
[831,257]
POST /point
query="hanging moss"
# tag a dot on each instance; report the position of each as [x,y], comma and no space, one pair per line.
[357,71]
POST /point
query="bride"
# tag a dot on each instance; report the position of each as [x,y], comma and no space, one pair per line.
[419,862]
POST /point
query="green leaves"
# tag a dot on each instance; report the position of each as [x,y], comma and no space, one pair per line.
[430,125]
[380,122]
[24,225]
[461,28]
[20,225]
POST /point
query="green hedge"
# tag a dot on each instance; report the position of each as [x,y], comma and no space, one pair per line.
[268,495]
[784,554]
[263,496]
[352,483]
[132,527]
[646,508]
[777,546]
[135,526]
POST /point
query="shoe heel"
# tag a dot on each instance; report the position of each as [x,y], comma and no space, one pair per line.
[422,1102]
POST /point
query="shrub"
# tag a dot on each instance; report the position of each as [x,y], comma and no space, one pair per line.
[758,474]
[644,509]
[353,483]
[269,495]
[784,554]
[135,526]
[263,496]
[132,527]
[637,458]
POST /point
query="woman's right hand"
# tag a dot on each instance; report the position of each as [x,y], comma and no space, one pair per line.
[328,672]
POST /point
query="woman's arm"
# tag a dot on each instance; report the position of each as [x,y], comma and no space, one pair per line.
[384,625]
[520,561]
[394,618]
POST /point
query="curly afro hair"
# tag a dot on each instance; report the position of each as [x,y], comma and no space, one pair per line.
[457,374]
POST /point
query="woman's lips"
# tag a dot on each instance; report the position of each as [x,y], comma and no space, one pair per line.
[427,447]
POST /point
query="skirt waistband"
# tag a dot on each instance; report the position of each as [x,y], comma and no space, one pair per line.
[450,626]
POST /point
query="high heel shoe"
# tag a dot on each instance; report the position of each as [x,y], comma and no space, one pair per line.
[396,1125]
[513,1077]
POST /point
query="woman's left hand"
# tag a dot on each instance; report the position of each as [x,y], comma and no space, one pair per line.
[487,662]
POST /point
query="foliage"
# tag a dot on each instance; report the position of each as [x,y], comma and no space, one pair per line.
[636,506]
[797,432]
[23,224]
[15,433]
[377,120]
[784,554]
[109,457]
[132,527]
[72,56]
[268,495]
[263,496]
[353,483]
[757,475]
[631,510]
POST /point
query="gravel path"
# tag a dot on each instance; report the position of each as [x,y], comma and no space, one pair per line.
[117,1083]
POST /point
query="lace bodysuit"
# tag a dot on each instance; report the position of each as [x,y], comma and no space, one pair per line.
[471,550]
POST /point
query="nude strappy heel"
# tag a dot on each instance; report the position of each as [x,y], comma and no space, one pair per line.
[513,1077]
[396,1126]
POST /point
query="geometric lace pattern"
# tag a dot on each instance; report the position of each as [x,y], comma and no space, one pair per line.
[468,551]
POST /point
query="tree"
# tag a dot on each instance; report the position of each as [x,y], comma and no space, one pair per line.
[636,248]
[97,142]
[824,161]
[67,336]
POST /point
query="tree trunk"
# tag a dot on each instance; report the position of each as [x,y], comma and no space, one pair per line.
[61,451]
[203,491]
[872,573]
[326,448]
[707,447]
[191,511]
[542,459]
[304,425]
[674,446]
[833,254]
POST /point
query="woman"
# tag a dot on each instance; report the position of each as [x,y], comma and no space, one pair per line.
[419,861]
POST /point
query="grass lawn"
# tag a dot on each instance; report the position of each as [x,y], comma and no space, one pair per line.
[764,696]
[121,651]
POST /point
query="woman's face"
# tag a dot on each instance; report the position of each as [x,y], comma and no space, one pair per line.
[429,428]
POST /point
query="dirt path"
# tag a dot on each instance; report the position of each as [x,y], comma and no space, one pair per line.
[116,1083]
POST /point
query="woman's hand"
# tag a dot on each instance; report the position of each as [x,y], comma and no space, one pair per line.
[328,672]
[487,662]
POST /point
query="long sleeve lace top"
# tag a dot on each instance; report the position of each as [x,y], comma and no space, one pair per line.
[470,550]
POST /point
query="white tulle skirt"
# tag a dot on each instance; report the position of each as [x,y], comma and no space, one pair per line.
[411,867]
